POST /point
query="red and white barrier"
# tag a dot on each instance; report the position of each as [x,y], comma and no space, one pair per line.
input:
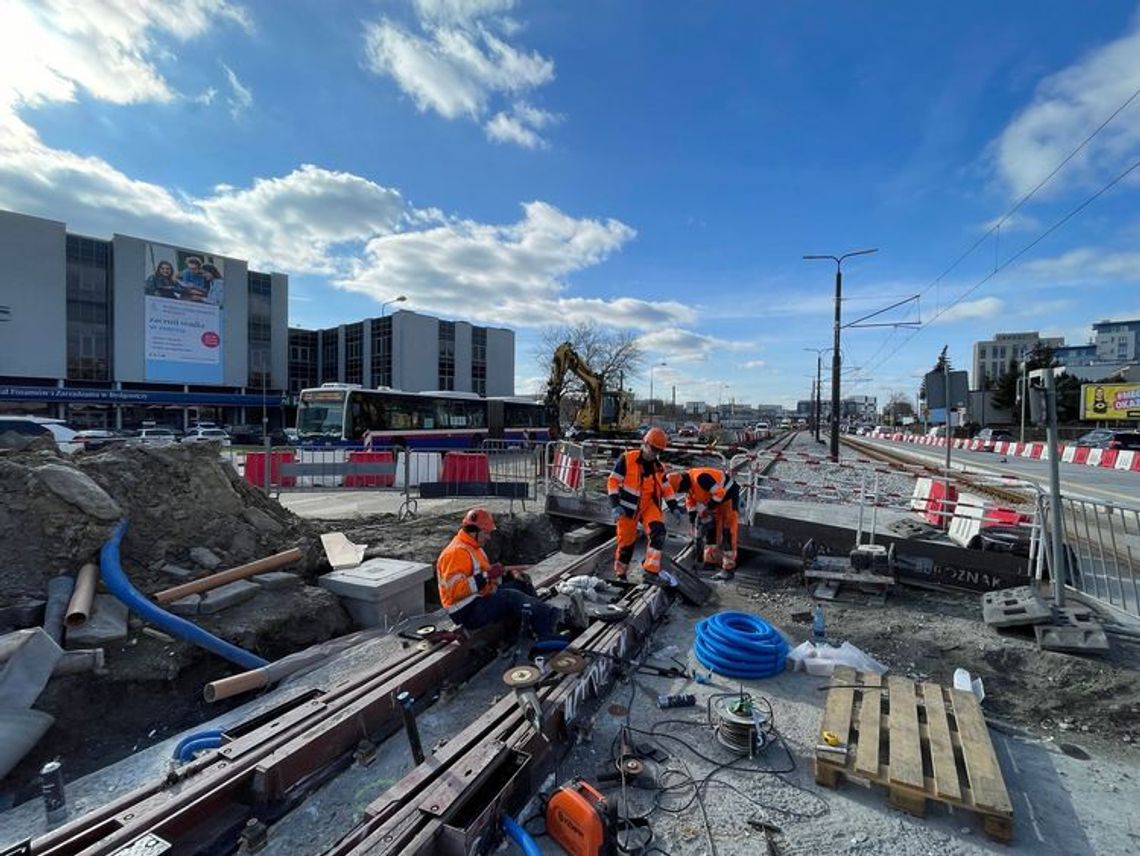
[566,467]
[1113,459]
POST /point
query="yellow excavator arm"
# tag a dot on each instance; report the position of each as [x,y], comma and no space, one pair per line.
[601,412]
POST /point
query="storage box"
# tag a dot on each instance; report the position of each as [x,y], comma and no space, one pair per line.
[380,591]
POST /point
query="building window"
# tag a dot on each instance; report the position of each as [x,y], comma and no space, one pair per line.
[446,355]
[981,353]
[382,351]
[302,360]
[259,327]
[88,309]
[354,353]
[479,360]
[329,357]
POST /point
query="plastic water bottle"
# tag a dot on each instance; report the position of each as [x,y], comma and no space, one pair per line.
[818,628]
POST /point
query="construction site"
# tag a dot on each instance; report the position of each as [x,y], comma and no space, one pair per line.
[193,664]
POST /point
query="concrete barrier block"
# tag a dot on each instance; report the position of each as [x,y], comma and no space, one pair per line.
[226,596]
[277,580]
[186,605]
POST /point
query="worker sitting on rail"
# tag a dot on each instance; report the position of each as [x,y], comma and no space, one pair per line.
[637,488]
[470,586]
[713,501]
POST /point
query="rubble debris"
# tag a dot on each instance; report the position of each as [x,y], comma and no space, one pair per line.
[249,569]
[106,623]
[205,557]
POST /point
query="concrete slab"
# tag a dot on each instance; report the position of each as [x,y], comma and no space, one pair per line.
[107,623]
[205,557]
[226,596]
[1015,606]
[578,541]
[179,573]
[185,606]
[380,590]
[1072,629]
[277,580]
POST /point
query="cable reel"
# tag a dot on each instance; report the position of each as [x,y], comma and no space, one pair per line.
[739,723]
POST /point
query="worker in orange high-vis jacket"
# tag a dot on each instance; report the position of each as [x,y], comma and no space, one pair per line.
[712,499]
[474,593]
[637,487]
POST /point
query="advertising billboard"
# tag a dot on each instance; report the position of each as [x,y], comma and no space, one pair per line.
[1110,401]
[185,295]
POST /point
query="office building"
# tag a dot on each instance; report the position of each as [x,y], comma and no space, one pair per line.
[992,358]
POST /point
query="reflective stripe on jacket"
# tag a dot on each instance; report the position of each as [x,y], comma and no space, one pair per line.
[628,482]
[456,569]
[709,487]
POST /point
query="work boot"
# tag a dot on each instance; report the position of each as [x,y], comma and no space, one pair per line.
[723,575]
[574,615]
[620,569]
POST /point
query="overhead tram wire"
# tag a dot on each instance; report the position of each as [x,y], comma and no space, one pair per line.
[1008,262]
[1005,218]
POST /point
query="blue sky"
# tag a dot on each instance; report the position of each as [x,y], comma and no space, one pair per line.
[660,167]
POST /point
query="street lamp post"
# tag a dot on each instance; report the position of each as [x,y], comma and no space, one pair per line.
[835,359]
[818,388]
[651,368]
[383,306]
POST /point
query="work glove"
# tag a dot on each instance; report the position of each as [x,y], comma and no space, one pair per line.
[480,581]
[616,513]
[495,571]
[676,513]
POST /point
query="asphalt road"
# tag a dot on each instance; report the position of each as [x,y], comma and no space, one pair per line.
[1117,486]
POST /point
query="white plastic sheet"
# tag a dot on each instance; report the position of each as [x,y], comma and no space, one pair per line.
[822,659]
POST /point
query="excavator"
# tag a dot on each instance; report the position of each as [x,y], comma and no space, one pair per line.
[604,412]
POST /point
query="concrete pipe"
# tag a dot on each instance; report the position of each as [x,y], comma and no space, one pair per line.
[234,685]
[79,609]
[213,581]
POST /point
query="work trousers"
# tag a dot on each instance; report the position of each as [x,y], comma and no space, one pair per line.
[649,516]
[508,603]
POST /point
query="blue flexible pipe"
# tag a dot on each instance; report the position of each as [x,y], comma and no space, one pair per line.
[190,738]
[740,645]
[200,742]
[118,584]
[550,644]
[520,836]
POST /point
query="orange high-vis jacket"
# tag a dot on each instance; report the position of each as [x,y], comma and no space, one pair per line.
[456,569]
[629,483]
[708,486]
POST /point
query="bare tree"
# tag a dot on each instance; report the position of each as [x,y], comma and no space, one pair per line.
[612,354]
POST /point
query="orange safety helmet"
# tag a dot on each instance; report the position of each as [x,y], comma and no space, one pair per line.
[656,438]
[680,482]
[481,518]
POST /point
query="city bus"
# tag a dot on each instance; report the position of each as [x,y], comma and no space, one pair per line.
[349,415]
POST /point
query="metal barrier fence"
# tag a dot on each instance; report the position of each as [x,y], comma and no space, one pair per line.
[578,468]
[1102,550]
[505,471]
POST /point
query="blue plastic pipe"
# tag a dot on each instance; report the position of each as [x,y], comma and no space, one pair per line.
[520,836]
[740,645]
[117,583]
[550,644]
[190,738]
[197,743]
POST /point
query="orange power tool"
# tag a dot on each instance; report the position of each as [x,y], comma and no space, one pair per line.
[578,818]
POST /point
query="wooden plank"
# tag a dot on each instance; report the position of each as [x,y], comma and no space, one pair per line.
[870,716]
[905,748]
[941,749]
[840,699]
[986,783]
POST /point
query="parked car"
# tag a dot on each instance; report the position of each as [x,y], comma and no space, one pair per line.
[1106,438]
[689,429]
[153,437]
[207,435]
[93,439]
[989,436]
[250,435]
[40,426]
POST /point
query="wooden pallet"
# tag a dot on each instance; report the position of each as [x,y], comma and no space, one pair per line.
[922,741]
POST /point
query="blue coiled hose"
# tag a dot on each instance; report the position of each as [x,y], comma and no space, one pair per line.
[740,645]
[198,742]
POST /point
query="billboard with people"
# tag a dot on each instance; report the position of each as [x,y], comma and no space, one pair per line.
[185,295]
[1110,401]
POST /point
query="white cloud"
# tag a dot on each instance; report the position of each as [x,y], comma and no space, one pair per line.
[240,98]
[460,62]
[513,273]
[1067,106]
[520,126]
[675,343]
[206,97]
[1086,264]
[54,48]
[985,307]
[1017,222]
[754,364]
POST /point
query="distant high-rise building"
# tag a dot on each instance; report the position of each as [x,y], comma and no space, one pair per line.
[992,358]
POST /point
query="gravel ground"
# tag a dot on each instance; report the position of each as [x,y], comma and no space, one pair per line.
[805,473]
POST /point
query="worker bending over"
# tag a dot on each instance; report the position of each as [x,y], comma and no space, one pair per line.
[476,593]
[713,502]
[637,487]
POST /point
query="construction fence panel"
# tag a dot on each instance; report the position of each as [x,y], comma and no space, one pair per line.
[1103,551]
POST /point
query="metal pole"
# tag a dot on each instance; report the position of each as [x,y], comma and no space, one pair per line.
[835,366]
[818,389]
[1025,394]
[265,432]
[949,436]
[651,368]
[408,704]
[1057,520]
